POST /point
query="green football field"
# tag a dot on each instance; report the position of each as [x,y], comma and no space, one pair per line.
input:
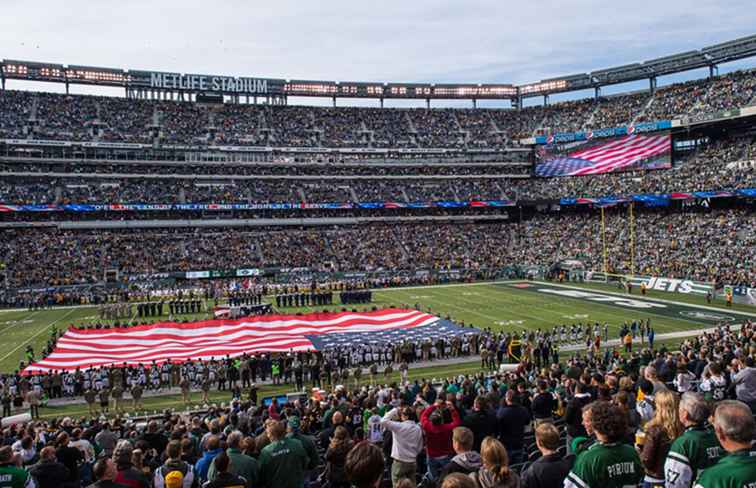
[511,306]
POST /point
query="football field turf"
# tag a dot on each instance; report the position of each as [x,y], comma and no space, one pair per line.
[511,306]
[515,306]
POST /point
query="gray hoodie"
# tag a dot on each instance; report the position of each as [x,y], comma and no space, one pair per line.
[486,479]
[469,461]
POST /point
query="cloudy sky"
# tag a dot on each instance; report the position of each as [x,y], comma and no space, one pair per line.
[420,40]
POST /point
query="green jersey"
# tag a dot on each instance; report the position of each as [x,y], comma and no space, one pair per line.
[736,470]
[606,466]
[695,450]
[282,464]
[13,477]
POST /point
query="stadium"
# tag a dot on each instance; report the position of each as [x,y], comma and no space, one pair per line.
[204,261]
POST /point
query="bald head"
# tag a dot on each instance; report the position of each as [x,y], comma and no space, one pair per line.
[338,418]
[734,425]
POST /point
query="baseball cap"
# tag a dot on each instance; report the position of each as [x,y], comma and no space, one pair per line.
[294,422]
[174,479]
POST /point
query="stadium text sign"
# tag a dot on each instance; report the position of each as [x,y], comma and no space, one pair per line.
[672,285]
[177,81]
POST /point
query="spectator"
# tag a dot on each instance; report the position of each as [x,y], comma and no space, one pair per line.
[308,443]
[127,474]
[224,477]
[458,480]
[735,429]
[551,468]
[466,460]
[438,436]
[744,380]
[607,463]
[212,449]
[71,458]
[512,419]
[48,472]
[105,473]
[494,472]
[173,464]
[241,465]
[364,466]
[659,433]
[156,440]
[335,456]
[407,442]
[543,404]
[106,439]
[480,421]
[284,461]
[696,449]
[573,415]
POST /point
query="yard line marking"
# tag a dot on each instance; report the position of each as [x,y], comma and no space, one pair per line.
[28,340]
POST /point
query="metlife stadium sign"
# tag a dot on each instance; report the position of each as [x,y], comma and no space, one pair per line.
[177,81]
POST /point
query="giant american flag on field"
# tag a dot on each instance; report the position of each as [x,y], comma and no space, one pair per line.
[205,340]
[622,154]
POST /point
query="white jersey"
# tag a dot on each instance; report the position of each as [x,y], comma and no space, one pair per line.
[716,386]
[374,433]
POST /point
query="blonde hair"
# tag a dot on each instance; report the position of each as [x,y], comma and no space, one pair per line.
[666,415]
[495,459]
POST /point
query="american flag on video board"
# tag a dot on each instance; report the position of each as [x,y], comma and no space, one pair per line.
[610,156]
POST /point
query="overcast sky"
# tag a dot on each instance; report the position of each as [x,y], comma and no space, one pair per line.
[423,41]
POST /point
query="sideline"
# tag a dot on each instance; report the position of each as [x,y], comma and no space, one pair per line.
[398,288]
[463,362]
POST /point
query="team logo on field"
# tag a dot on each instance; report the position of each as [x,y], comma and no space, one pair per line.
[713,317]
[14,322]
[598,297]
[510,322]
[576,316]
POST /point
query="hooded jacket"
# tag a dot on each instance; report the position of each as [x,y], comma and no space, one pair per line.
[465,463]
[486,479]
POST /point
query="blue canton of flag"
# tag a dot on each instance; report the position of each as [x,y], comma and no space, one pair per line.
[561,166]
[441,328]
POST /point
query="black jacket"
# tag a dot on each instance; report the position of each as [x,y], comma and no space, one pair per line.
[49,474]
[482,424]
[573,415]
[227,480]
[546,472]
[512,421]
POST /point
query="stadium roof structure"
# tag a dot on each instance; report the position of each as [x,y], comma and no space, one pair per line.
[154,84]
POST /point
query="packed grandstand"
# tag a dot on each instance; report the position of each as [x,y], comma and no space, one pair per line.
[103,198]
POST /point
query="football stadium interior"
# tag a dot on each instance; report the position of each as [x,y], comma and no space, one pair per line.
[204,238]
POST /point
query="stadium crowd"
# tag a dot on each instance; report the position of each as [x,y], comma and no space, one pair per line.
[712,167]
[655,418]
[79,118]
[667,243]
